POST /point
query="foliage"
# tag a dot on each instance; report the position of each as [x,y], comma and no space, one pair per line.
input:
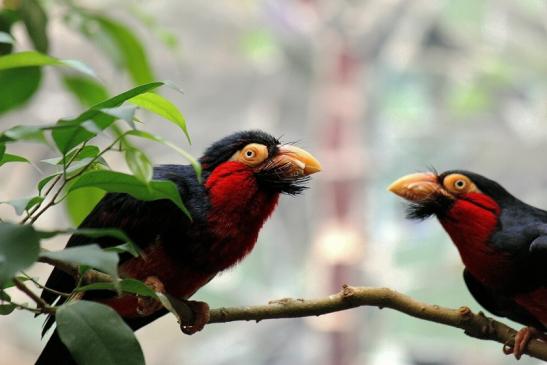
[79,173]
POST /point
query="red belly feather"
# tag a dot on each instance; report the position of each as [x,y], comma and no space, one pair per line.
[536,303]
[470,226]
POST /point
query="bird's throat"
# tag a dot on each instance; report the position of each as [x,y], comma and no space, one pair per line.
[239,209]
[470,227]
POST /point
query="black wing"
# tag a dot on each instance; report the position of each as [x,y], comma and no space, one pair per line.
[499,304]
[142,221]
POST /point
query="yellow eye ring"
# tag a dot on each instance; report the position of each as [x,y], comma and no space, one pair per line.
[252,154]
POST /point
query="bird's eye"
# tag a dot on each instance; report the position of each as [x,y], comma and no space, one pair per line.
[252,154]
[459,184]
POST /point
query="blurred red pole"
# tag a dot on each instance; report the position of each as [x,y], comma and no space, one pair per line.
[342,187]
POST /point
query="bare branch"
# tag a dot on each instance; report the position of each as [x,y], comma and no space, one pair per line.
[474,325]
[40,303]
[91,276]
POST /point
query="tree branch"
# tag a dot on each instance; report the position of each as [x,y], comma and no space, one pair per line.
[474,325]
[40,303]
[90,276]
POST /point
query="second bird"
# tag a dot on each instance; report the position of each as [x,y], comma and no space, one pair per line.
[502,242]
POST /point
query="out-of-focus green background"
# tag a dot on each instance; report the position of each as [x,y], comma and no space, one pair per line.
[375,89]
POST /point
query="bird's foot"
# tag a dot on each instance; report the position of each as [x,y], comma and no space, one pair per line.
[522,338]
[146,305]
[200,311]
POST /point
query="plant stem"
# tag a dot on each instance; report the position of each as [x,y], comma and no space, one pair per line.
[40,303]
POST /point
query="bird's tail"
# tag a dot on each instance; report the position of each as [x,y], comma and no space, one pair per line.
[55,353]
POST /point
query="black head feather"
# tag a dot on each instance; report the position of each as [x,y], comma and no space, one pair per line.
[271,177]
[222,150]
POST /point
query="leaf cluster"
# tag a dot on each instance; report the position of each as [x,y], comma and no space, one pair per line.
[78,172]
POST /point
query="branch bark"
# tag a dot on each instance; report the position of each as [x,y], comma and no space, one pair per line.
[90,276]
[473,324]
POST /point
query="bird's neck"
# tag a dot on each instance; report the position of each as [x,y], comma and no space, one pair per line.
[470,223]
[239,209]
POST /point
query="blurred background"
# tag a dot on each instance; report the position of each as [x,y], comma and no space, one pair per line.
[376,90]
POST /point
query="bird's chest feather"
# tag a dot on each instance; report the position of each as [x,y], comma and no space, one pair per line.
[239,209]
[470,227]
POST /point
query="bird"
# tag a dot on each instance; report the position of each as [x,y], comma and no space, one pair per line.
[243,176]
[502,242]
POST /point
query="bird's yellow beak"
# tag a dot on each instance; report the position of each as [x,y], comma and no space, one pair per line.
[301,162]
[417,187]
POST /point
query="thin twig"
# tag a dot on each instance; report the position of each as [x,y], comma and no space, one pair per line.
[26,307]
[53,201]
[90,276]
[43,287]
[52,185]
[40,303]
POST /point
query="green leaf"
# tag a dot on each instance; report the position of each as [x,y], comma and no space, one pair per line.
[125,247]
[130,286]
[89,255]
[117,182]
[95,334]
[77,166]
[19,248]
[9,284]
[86,152]
[80,203]
[18,86]
[2,149]
[139,164]
[6,38]
[142,134]
[119,99]
[23,204]
[44,182]
[85,89]
[33,58]
[103,232]
[163,107]
[8,18]
[129,50]
[124,112]
[6,308]
[90,232]
[35,19]
[177,307]
[70,133]
[23,133]
[12,158]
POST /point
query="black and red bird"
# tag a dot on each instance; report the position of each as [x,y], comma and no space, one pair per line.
[502,242]
[243,177]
